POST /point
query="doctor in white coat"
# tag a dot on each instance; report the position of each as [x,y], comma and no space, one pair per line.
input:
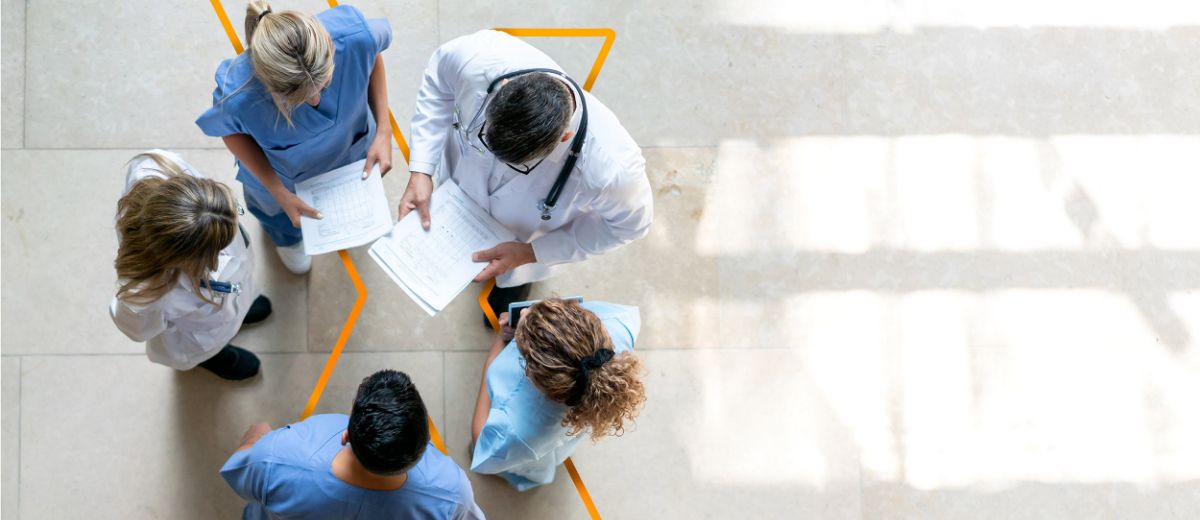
[499,118]
[185,268]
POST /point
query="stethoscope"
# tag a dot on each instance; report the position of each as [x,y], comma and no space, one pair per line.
[547,204]
[222,287]
[218,286]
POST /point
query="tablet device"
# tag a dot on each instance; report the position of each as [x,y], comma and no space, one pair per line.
[516,308]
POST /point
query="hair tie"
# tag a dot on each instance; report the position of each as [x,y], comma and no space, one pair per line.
[586,366]
[261,15]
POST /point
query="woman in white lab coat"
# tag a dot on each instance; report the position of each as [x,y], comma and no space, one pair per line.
[494,115]
[184,267]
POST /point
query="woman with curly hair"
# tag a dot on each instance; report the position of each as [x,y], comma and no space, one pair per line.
[567,369]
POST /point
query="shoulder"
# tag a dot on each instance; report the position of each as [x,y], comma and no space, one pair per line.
[610,155]
[623,322]
[233,73]
[296,442]
[495,52]
[440,476]
[344,21]
[237,88]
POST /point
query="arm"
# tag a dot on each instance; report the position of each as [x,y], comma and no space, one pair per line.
[431,126]
[380,151]
[254,159]
[483,401]
[138,326]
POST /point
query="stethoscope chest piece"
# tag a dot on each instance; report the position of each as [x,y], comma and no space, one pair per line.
[545,209]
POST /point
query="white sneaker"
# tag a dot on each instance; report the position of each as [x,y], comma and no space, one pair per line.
[294,258]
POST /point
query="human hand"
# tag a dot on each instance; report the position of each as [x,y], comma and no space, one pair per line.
[505,333]
[503,258]
[416,196]
[379,153]
[294,207]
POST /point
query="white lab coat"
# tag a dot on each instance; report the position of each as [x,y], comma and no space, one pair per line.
[607,201]
[180,329]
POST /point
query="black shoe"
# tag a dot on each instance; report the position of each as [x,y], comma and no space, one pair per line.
[502,296]
[233,363]
[259,310]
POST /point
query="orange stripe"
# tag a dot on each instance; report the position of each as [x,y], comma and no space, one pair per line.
[582,489]
[608,34]
[487,309]
[342,338]
[233,38]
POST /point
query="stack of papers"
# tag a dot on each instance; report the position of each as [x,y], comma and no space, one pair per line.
[355,210]
[433,266]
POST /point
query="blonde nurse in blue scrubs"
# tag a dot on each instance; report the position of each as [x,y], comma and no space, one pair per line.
[566,372]
[308,96]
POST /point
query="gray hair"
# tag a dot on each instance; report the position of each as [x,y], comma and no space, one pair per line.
[528,117]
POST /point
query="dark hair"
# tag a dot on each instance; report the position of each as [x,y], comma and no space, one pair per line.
[527,118]
[389,427]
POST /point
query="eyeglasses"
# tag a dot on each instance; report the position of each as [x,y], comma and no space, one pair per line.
[524,169]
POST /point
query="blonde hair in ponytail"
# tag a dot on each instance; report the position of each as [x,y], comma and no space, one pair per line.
[553,336]
[291,52]
[169,227]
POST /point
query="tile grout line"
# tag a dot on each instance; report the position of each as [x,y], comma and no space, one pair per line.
[445,411]
[24,83]
[20,422]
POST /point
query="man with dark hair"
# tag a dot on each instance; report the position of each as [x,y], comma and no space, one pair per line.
[497,116]
[376,463]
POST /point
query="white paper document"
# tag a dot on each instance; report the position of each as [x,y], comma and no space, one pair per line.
[355,210]
[433,266]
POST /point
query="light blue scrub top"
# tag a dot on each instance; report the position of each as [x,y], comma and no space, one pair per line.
[523,439]
[287,474]
[336,132]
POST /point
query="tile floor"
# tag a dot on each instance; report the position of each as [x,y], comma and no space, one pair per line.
[911,260]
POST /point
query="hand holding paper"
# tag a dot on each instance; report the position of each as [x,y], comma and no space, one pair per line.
[353,210]
[433,266]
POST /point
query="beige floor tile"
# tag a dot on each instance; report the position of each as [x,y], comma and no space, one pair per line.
[498,500]
[53,228]
[11,411]
[160,107]
[57,288]
[152,447]
[738,77]
[680,62]
[727,434]
[13,120]
[1031,500]
[133,87]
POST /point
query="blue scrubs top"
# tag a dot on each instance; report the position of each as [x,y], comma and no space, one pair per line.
[287,474]
[523,439]
[336,132]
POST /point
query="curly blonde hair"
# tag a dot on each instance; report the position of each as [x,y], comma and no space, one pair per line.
[555,336]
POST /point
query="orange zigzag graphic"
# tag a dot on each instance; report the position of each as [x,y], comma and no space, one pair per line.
[609,37]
